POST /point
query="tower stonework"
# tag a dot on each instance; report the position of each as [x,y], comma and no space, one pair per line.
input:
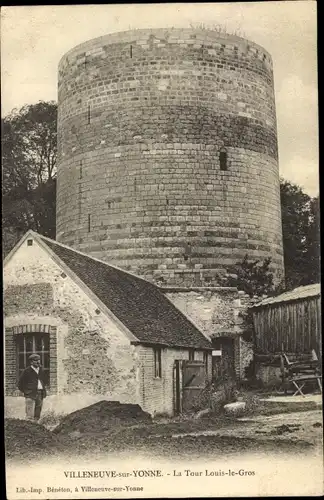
[168,162]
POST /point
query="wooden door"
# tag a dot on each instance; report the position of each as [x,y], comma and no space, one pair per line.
[193,384]
[224,365]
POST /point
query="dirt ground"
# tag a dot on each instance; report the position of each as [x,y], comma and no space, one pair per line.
[276,435]
[265,431]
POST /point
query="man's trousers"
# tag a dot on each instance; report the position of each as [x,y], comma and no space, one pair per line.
[34,406]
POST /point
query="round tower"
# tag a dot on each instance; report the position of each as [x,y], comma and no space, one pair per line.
[168,162]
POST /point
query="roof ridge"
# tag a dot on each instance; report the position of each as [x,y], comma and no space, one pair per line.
[94,258]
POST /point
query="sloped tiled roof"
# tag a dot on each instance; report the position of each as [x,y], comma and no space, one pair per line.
[301,292]
[137,303]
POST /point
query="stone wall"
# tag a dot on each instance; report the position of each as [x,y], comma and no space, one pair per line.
[246,357]
[147,120]
[216,311]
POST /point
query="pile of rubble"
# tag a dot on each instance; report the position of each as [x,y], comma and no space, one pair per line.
[100,417]
[23,437]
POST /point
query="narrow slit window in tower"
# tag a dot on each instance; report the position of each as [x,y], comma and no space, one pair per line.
[89,223]
[81,169]
[131,51]
[89,114]
[223,160]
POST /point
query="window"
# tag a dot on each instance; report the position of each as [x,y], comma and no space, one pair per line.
[157,363]
[191,354]
[29,243]
[187,251]
[29,343]
[223,159]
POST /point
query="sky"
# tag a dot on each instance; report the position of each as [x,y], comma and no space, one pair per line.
[34,38]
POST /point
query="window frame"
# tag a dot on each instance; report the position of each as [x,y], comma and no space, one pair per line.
[191,354]
[45,353]
[157,352]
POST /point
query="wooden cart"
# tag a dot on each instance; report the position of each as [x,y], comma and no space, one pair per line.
[299,373]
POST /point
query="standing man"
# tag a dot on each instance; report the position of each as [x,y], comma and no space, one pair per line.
[32,384]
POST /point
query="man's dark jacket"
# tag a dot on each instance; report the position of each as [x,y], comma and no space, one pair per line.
[28,382]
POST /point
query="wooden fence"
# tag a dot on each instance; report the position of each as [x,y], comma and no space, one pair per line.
[294,327]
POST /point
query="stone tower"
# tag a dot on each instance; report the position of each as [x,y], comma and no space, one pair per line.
[168,162]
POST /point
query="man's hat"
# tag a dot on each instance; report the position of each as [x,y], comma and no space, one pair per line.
[33,357]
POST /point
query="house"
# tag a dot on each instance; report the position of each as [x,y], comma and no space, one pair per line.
[289,322]
[102,333]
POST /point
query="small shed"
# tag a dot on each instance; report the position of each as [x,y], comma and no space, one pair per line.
[289,322]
